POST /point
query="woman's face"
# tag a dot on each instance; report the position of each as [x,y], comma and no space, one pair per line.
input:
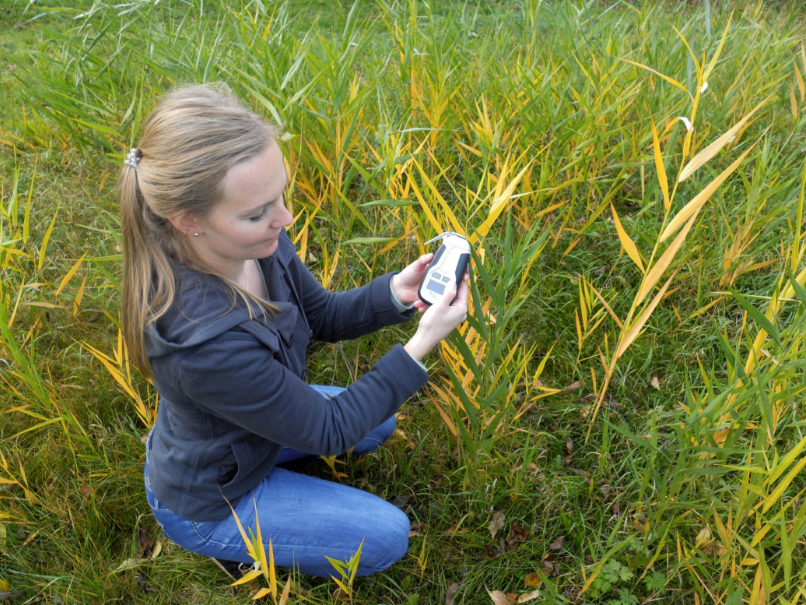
[246,224]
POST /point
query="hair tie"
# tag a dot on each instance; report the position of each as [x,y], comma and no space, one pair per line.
[133,158]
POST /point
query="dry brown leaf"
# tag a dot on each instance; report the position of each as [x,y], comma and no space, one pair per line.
[499,598]
[569,445]
[574,386]
[557,544]
[655,382]
[496,523]
[529,596]
[451,594]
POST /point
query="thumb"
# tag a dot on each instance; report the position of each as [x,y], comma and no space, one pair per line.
[450,293]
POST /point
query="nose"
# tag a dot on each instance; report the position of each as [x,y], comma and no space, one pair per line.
[283,218]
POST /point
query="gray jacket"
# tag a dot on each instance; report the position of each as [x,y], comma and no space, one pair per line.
[232,390]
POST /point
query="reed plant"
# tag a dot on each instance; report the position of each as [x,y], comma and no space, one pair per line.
[620,419]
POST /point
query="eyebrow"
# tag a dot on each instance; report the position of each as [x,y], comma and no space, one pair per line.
[258,208]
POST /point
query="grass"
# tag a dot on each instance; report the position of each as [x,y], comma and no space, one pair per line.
[670,472]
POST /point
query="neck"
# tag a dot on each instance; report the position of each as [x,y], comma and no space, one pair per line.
[234,271]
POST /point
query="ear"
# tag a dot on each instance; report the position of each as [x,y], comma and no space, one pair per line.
[186,223]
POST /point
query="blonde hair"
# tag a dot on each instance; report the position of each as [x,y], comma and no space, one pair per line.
[190,140]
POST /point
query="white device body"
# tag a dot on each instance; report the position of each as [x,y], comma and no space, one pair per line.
[448,265]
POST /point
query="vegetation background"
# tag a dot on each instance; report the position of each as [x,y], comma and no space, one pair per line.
[621,421]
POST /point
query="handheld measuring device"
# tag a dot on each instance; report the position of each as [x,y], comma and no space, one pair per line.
[448,265]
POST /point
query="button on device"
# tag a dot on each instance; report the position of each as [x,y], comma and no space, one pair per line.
[446,279]
[437,276]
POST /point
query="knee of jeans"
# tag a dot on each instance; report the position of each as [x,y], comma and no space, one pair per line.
[386,429]
[387,545]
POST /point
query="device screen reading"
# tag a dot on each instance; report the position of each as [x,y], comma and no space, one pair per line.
[435,286]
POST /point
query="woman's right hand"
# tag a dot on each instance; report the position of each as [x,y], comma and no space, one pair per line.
[439,320]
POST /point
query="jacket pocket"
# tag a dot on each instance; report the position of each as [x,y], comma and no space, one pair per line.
[236,464]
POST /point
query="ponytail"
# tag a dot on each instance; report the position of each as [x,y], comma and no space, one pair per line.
[190,140]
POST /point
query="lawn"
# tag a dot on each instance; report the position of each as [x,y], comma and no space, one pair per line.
[620,421]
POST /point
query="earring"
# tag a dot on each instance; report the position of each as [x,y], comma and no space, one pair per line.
[195,235]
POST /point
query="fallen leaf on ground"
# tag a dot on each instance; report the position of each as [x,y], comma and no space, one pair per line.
[499,598]
[415,529]
[146,543]
[9,596]
[454,530]
[703,537]
[655,382]
[451,594]
[496,523]
[529,596]
[557,544]
[532,580]
[569,445]
[574,386]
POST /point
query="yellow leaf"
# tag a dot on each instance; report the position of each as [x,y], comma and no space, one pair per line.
[706,154]
[498,206]
[657,73]
[630,336]
[430,215]
[801,84]
[46,238]
[79,296]
[451,218]
[793,103]
[286,592]
[714,59]
[629,245]
[664,183]
[703,537]
[694,206]
[261,593]
[70,274]
[248,577]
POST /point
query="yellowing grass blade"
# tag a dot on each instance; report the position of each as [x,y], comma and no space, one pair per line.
[247,577]
[46,238]
[499,204]
[430,215]
[714,59]
[630,336]
[801,84]
[70,274]
[629,245]
[671,81]
[246,540]
[664,182]
[451,218]
[286,592]
[653,276]
[693,207]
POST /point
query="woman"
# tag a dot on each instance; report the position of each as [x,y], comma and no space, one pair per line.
[219,311]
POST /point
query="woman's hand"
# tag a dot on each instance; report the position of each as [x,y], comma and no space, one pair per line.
[406,283]
[439,320]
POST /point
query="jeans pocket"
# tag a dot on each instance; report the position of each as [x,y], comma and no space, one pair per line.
[204,529]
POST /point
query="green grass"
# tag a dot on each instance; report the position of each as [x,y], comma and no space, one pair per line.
[653,472]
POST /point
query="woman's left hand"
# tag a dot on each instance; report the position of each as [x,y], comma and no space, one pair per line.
[406,283]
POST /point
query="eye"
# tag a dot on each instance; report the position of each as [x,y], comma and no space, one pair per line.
[261,216]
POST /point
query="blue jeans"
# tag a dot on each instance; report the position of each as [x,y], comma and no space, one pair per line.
[306,518]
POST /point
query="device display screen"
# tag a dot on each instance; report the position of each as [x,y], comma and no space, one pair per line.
[437,287]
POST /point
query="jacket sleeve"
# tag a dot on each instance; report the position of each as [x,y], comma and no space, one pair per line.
[347,315]
[236,378]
